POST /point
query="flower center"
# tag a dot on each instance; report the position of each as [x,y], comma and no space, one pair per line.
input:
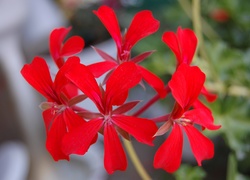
[108,119]
[183,121]
[124,56]
[55,108]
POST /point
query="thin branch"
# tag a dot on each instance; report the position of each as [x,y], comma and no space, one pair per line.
[134,158]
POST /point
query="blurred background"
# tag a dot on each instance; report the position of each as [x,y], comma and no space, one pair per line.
[25,26]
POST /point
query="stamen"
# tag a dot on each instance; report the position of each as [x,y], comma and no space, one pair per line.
[183,121]
[55,108]
[124,56]
[107,119]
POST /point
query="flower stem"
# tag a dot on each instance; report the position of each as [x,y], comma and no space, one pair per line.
[197,24]
[207,30]
[135,160]
[150,102]
[128,145]
[197,27]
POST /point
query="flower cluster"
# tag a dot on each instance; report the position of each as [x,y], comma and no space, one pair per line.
[72,129]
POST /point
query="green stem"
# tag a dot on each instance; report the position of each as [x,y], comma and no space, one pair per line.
[207,30]
[198,28]
[147,105]
[231,167]
[128,145]
[197,24]
[135,160]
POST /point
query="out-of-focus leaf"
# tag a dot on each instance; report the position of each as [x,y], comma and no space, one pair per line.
[232,172]
[188,172]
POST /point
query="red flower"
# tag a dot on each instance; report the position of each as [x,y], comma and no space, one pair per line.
[58,114]
[141,26]
[59,50]
[208,95]
[220,15]
[109,121]
[186,85]
[184,44]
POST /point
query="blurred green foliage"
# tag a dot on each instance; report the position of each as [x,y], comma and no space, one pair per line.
[188,172]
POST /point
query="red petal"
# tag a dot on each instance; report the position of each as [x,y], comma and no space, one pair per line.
[54,138]
[109,20]
[209,96]
[188,43]
[56,40]
[142,25]
[153,80]
[60,80]
[199,105]
[100,68]
[107,76]
[186,84]
[79,140]
[121,80]
[72,46]
[81,76]
[177,111]
[171,40]
[70,91]
[168,156]
[183,44]
[142,129]
[72,120]
[202,117]
[38,76]
[121,99]
[48,118]
[202,147]
[114,155]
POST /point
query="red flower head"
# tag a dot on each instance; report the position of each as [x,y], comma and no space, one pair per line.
[109,121]
[58,114]
[220,15]
[186,85]
[59,50]
[184,44]
[141,26]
